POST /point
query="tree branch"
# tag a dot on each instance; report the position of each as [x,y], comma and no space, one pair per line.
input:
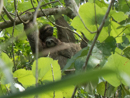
[7,13]
[1,5]
[49,11]
[97,34]
[40,6]
[15,6]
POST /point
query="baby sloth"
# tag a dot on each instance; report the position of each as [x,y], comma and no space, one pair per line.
[62,55]
[52,41]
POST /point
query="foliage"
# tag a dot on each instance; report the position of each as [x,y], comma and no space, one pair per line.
[107,73]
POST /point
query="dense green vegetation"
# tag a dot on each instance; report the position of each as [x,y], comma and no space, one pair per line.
[106,73]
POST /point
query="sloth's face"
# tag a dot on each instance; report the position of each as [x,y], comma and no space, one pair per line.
[51,42]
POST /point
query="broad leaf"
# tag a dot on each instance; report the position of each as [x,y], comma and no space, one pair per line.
[25,77]
[119,16]
[47,69]
[65,82]
[116,32]
[119,63]
[90,22]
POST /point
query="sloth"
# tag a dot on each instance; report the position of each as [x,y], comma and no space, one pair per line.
[67,51]
[51,42]
[31,35]
[44,32]
[58,50]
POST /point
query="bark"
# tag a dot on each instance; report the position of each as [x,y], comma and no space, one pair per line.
[26,17]
[73,6]
[1,5]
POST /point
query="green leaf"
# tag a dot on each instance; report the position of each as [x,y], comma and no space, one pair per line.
[119,51]
[89,20]
[104,87]
[6,66]
[101,3]
[123,6]
[77,24]
[124,91]
[25,77]
[18,31]
[7,61]
[65,82]
[127,52]
[45,69]
[125,25]
[101,88]
[93,62]
[5,2]
[90,86]
[68,91]
[24,6]
[118,63]
[119,16]
[3,89]
[71,61]
[115,32]
[105,48]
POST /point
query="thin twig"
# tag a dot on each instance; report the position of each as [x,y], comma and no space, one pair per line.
[127,3]
[15,5]
[22,20]
[60,2]
[3,18]
[11,13]
[85,25]
[37,33]
[97,34]
[83,22]
[105,90]
[121,32]
[7,13]
[75,89]
[7,89]
[40,6]
[52,73]
[53,79]
[32,4]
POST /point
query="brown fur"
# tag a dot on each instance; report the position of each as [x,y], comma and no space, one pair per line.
[63,55]
[45,31]
[31,35]
[52,41]
[64,51]
[58,50]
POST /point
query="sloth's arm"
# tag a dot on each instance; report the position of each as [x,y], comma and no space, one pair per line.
[54,49]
